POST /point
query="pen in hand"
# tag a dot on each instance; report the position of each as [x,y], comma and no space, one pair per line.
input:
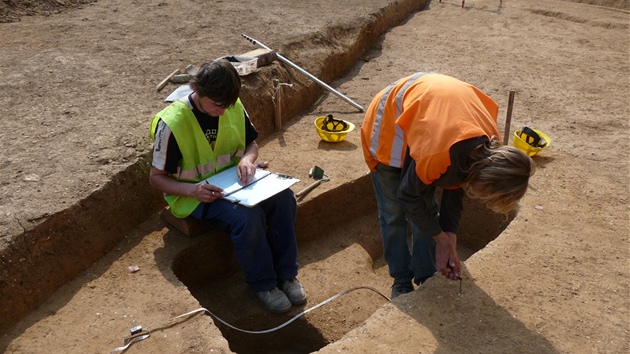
[215,192]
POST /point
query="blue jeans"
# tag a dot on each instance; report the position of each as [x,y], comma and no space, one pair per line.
[405,264]
[263,236]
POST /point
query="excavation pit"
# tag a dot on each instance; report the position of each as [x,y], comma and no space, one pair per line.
[337,255]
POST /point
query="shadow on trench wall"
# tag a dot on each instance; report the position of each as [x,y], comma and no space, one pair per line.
[212,274]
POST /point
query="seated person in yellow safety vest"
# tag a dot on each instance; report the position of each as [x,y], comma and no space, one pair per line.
[429,131]
[199,136]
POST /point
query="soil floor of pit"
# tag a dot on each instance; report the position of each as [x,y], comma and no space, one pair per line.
[78,85]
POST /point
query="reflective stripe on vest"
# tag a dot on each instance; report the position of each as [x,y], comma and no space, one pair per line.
[398,144]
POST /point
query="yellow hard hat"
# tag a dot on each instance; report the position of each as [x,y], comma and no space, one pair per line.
[531,141]
[331,129]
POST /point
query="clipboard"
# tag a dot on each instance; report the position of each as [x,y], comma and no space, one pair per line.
[263,185]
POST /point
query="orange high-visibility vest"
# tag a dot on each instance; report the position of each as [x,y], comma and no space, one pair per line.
[428,113]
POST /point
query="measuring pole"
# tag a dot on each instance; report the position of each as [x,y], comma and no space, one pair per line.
[288,62]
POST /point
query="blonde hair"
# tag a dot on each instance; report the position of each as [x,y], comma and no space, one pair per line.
[498,176]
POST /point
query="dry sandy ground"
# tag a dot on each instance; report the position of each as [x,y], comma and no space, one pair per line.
[78,92]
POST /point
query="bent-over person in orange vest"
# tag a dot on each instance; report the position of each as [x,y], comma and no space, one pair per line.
[427,132]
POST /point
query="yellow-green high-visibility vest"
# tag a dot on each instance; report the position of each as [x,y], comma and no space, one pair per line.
[199,159]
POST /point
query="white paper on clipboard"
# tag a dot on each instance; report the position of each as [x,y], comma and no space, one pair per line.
[263,185]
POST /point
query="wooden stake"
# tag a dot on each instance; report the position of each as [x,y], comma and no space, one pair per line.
[278,104]
[508,118]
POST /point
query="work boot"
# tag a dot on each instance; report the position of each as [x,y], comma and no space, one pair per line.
[294,291]
[401,287]
[274,300]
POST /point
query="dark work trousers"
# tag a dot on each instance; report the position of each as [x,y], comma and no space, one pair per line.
[263,236]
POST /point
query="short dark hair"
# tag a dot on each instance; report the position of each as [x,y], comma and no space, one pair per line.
[219,81]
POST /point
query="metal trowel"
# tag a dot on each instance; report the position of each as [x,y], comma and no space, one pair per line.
[317,173]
